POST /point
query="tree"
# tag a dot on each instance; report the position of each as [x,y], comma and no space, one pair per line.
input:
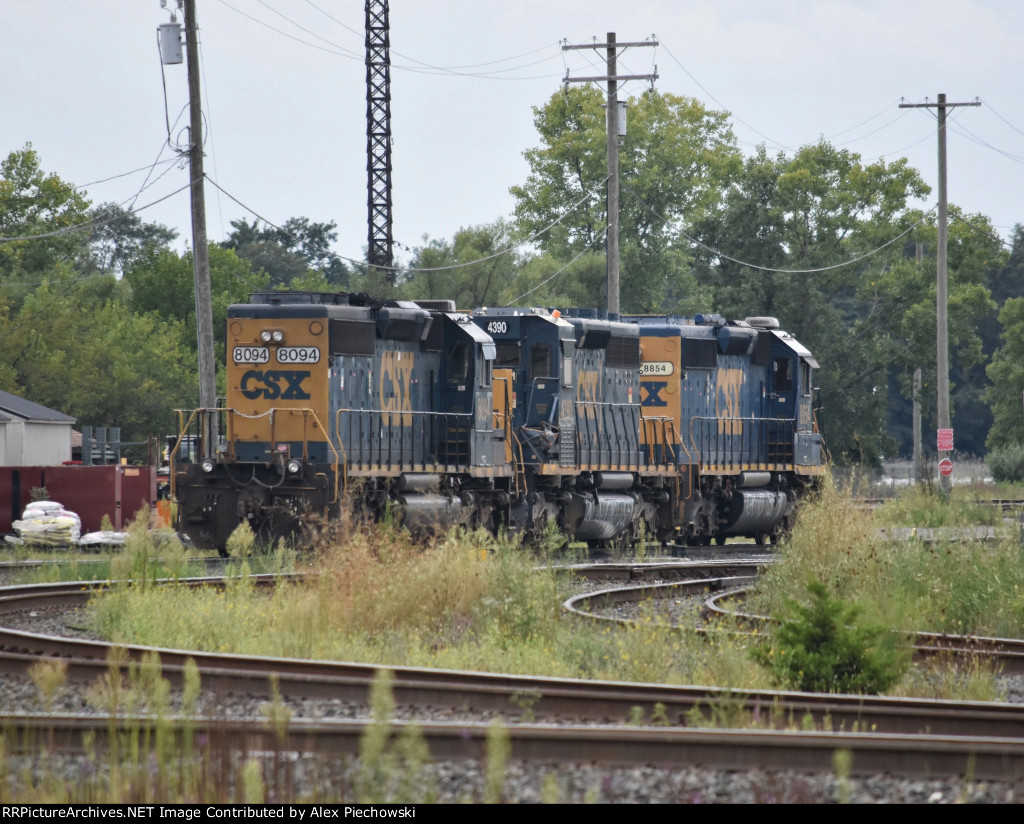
[673,163]
[1006,377]
[120,237]
[446,276]
[818,208]
[162,281]
[34,203]
[289,252]
[98,361]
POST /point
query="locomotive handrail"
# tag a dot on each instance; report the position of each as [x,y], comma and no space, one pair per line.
[727,444]
[817,431]
[517,469]
[661,427]
[182,429]
[392,426]
[230,413]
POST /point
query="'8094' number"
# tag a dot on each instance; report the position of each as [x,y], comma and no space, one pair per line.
[298,354]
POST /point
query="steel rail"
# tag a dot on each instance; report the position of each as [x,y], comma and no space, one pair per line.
[515,696]
[982,757]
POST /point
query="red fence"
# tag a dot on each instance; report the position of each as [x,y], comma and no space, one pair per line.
[90,491]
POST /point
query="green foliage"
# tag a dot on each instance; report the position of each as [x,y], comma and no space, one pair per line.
[499,749]
[33,202]
[391,771]
[480,284]
[98,362]
[241,541]
[120,237]
[1006,379]
[1007,463]
[291,253]
[673,162]
[162,282]
[824,646]
[920,506]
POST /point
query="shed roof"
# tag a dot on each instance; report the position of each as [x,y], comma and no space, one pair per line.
[16,407]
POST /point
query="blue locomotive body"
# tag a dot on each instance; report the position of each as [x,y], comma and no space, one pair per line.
[610,431]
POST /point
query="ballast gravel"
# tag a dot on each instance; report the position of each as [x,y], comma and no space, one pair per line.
[309,779]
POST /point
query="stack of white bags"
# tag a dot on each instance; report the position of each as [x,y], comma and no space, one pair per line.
[48,523]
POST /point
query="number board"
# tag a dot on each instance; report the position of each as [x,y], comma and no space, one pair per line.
[506,326]
[298,354]
[251,354]
[656,368]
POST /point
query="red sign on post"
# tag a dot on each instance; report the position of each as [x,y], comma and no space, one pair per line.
[945,467]
[945,440]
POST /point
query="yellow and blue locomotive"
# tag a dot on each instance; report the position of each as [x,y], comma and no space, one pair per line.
[328,393]
[685,429]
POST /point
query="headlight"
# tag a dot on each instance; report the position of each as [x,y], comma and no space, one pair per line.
[278,336]
[265,336]
[294,466]
[207,466]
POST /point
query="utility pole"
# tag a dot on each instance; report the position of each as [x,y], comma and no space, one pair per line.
[612,121]
[380,246]
[919,452]
[942,292]
[200,250]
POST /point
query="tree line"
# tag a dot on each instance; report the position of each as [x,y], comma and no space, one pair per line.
[100,321]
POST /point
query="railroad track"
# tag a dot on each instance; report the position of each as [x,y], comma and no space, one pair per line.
[985,758]
[620,723]
[730,583]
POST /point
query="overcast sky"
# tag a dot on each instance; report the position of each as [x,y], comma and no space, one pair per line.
[285,103]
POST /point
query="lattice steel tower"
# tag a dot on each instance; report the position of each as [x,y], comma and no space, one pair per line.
[378,135]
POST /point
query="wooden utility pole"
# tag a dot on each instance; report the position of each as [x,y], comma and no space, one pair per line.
[200,250]
[612,122]
[941,281]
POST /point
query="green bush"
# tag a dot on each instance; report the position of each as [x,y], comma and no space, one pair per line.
[1007,463]
[823,647]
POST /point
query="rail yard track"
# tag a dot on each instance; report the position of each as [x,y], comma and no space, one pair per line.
[552,719]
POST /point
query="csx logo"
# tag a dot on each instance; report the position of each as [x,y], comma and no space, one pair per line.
[588,391]
[274,384]
[653,390]
[396,386]
[730,386]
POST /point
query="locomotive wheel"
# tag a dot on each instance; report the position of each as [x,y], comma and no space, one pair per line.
[720,540]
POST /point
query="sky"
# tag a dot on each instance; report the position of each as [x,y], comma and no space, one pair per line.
[284,96]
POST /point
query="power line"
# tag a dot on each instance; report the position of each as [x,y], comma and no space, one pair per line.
[719,254]
[582,252]
[525,242]
[1007,122]
[775,143]
[443,69]
[421,68]
[92,222]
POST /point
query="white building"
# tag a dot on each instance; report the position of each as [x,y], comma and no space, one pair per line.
[32,435]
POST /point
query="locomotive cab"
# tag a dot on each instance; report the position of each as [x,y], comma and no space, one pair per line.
[335,392]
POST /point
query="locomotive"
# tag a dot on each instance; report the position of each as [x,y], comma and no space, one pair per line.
[681,430]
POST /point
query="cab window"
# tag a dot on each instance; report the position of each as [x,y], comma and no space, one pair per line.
[458,364]
[540,361]
[783,375]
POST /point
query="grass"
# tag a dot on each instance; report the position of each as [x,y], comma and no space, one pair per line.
[462,601]
[923,507]
[954,586]
[469,601]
